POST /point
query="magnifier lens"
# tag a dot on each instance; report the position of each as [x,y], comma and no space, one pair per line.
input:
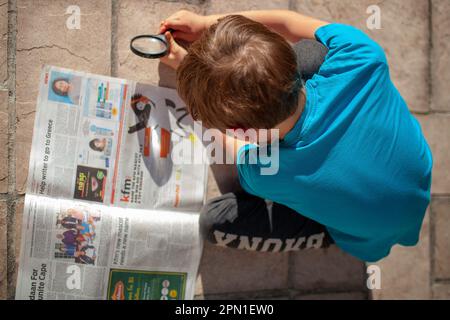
[149,45]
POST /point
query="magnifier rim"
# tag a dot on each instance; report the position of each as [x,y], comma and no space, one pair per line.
[148,55]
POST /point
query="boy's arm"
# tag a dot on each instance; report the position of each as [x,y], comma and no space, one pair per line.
[291,25]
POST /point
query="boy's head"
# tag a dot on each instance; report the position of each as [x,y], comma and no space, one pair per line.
[239,74]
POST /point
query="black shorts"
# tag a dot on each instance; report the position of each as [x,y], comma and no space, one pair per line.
[243,221]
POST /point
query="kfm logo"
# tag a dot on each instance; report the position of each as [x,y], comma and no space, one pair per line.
[126,190]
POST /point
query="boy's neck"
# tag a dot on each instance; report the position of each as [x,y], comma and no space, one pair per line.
[290,122]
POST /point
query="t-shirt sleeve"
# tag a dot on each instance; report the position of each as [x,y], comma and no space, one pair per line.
[251,171]
[349,48]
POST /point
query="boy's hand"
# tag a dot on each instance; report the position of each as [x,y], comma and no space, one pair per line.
[176,52]
[187,26]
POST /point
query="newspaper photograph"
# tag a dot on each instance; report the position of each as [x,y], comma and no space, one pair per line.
[156,125]
[108,213]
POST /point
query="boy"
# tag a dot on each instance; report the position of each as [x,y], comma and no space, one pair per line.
[354,167]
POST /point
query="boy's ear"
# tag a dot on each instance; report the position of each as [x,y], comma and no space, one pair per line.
[310,56]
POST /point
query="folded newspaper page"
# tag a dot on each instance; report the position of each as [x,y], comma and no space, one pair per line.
[109,213]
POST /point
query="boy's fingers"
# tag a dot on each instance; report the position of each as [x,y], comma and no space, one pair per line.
[162,27]
[180,35]
[176,24]
[173,22]
[168,36]
[170,40]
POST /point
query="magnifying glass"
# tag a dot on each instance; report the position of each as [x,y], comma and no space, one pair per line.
[150,46]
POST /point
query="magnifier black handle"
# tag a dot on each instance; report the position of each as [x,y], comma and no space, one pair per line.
[170,30]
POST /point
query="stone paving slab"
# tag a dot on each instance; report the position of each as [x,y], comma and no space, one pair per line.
[247,295]
[3,242]
[440,55]
[405,273]
[3,97]
[43,38]
[230,6]
[334,296]
[3,144]
[436,128]
[224,270]
[326,269]
[441,291]
[440,210]
[3,42]
[18,235]
[3,141]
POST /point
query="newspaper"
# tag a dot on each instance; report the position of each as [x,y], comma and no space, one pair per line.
[108,213]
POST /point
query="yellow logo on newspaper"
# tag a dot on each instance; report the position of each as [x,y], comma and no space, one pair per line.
[173,293]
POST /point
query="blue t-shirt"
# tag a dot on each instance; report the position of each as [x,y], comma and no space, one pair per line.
[356,161]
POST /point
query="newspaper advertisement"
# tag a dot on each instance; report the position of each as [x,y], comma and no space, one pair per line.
[109,213]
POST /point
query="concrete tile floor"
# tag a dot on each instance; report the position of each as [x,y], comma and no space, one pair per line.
[415,37]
